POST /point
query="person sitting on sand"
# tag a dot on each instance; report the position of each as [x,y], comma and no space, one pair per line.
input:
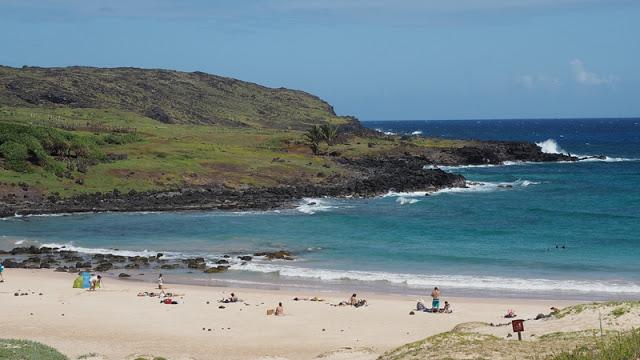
[420,305]
[95,281]
[233,298]
[435,304]
[279,310]
[446,309]
[354,300]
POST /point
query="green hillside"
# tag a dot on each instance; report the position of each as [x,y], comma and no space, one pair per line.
[165,95]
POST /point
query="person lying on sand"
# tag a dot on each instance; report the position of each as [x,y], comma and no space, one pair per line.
[279,310]
[95,281]
[420,305]
[510,314]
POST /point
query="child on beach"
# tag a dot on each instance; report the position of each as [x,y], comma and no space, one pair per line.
[94,282]
[161,285]
[279,310]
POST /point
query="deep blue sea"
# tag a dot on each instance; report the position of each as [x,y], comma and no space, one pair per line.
[556,230]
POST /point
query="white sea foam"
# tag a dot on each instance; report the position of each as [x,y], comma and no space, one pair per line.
[19,242]
[118,252]
[472,186]
[417,132]
[313,205]
[422,281]
[406,200]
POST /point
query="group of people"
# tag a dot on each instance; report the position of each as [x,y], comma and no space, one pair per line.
[435,304]
[354,301]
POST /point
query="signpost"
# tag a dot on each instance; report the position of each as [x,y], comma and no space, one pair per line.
[518,327]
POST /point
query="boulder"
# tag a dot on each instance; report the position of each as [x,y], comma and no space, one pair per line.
[217,269]
[104,266]
[280,255]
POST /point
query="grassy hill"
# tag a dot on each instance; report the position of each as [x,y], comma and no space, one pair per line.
[73,151]
[165,95]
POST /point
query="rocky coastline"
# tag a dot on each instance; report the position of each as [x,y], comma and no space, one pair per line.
[62,259]
[367,177]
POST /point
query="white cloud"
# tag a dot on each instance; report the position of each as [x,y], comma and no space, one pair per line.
[534,81]
[585,77]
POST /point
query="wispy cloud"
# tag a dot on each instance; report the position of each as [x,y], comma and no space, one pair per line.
[585,77]
[538,80]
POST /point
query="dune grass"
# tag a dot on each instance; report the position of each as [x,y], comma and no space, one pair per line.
[28,350]
[616,347]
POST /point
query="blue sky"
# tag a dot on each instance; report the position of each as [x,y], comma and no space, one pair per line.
[375,59]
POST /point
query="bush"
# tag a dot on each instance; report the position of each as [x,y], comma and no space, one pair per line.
[24,144]
[16,155]
[120,139]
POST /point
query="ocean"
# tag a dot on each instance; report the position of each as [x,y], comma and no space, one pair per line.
[553,230]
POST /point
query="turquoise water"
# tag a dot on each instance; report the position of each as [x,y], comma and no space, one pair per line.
[546,230]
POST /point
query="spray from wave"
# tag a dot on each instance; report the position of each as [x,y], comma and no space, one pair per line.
[550,146]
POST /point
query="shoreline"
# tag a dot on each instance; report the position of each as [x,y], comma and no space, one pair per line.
[278,270]
[366,177]
[75,321]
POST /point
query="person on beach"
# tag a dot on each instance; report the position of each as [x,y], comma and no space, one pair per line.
[161,285]
[435,304]
[420,305]
[279,310]
[354,300]
[1,270]
[95,281]
[231,299]
[447,308]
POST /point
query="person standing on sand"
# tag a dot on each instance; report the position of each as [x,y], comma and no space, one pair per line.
[435,304]
[1,271]
[95,281]
[279,310]
[161,285]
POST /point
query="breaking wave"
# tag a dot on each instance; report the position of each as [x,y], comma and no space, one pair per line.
[313,205]
[472,186]
[406,200]
[422,281]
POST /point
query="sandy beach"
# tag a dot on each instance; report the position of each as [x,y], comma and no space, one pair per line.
[115,323]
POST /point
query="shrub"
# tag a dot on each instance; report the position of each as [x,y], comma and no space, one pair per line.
[16,155]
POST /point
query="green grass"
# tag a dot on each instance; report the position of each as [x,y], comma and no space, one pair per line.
[156,156]
[618,347]
[28,350]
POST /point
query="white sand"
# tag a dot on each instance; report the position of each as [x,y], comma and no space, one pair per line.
[117,324]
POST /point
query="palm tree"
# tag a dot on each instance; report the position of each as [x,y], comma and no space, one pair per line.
[314,136]
[329,133]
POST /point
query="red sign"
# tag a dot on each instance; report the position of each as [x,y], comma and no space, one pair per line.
[518,325]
